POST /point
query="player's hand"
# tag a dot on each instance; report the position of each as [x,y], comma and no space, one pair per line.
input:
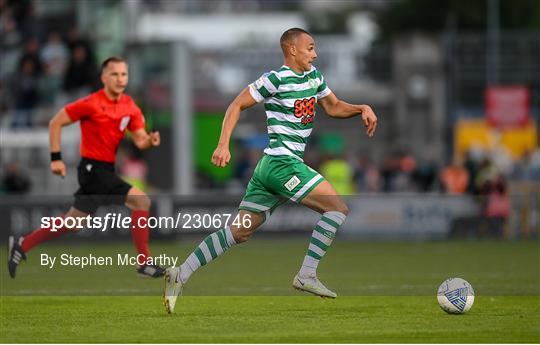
[58,168]
[221,156]
[370,120]
[155,139]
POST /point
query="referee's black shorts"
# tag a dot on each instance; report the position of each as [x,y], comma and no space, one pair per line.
[99,186]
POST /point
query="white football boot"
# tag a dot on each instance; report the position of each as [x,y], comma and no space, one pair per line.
[312,285]
[173,288]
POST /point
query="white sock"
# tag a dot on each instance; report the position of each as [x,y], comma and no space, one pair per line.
[210,248]
[321,239]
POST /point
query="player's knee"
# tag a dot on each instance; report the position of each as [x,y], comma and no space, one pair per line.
[141,202]
[242,235]
[343,208]
[339,206]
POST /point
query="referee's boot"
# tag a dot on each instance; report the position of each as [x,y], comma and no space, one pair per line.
[15,254]
[150,271]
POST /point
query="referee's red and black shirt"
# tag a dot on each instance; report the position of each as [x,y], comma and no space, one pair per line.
[103,123]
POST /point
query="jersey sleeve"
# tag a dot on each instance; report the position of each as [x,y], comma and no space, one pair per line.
[264,87]
[323,90]
[137,119]
[80,109]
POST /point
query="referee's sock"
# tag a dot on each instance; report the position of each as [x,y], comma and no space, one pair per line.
[140,232]
[40,235]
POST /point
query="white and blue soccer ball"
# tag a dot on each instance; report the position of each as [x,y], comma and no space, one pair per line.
[455,296]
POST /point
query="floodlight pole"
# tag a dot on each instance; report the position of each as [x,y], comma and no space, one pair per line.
[182,119]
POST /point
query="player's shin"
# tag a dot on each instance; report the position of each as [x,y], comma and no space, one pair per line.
[321,239]
[210,248]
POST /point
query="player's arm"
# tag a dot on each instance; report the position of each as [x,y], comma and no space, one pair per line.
[59,120]
[339,109]
[144,140]
[244,100]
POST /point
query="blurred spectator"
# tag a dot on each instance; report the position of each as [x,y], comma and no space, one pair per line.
[26,93]
[75,39]
[528,168]
[396,172]
[501,158]
[338,172]
[425,176]
[491,186]
[389,170]
[31,52]
[18,17]
[366,176]
[8,25]
[487,173]
[80,76]
[133,168]
[55,57]
[334,167]
[14,181]
[248,155]
[472,165]
[497,205]
[455,178]
[243,164]
[28,25]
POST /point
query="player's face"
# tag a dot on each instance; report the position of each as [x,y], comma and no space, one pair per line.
[115,77]
[306,54]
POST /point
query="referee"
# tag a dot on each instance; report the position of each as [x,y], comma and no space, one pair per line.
[104,117]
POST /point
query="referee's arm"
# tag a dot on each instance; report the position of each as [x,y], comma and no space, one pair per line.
[59,120]
[144,140]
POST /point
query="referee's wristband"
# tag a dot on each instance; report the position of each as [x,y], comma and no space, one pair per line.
[56,156]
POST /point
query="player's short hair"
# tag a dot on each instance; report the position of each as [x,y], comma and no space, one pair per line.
[108,60]
[290,35]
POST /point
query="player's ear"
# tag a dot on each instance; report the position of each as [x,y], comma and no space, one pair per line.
[292,49]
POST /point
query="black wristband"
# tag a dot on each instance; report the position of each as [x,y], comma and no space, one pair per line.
[56,156]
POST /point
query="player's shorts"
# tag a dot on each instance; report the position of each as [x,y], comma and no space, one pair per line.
[98,186]
[276,180]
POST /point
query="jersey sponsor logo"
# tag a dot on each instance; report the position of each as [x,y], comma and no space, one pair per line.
[124,122]
[305,109]
[292,183]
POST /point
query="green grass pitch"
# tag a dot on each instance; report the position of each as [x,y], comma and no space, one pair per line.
[386,294]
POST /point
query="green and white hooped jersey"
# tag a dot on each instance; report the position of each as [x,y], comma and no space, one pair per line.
[289,101]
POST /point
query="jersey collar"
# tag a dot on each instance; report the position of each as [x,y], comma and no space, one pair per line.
[299,74]
[103,96]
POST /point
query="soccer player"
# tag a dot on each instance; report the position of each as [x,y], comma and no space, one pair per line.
[104,116]
[289,95]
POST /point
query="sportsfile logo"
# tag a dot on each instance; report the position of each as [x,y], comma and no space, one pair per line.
[117,220]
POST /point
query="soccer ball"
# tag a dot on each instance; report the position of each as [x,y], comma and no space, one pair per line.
[455,296]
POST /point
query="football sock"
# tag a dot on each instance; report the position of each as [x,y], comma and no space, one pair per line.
[321,239]
[40,235]
[140,234]
[213,246]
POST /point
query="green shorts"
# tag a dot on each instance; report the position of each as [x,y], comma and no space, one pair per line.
[276,180]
